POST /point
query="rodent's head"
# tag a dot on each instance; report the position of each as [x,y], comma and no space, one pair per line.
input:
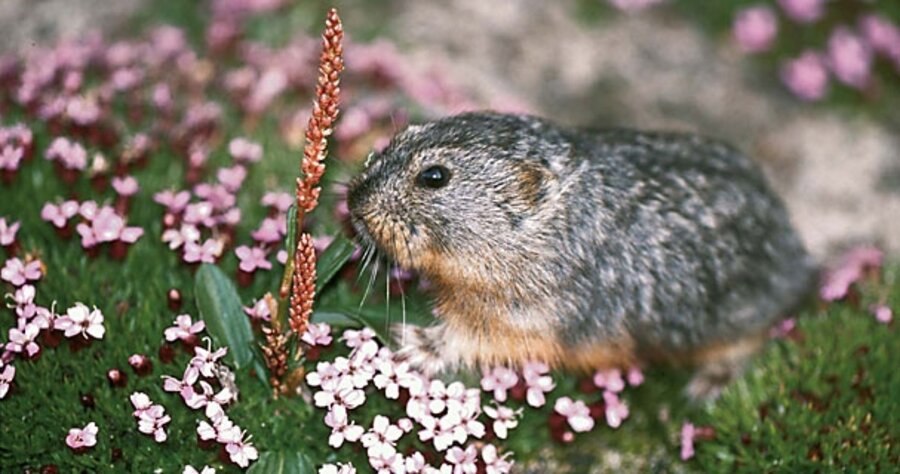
[449,197]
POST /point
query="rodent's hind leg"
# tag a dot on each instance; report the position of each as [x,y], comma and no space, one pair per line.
[422,348]
[719,366]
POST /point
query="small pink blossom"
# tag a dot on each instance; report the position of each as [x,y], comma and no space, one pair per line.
[339,468]
[635,377]
[18,273]
[280,201]
[341,428]
[21,339]
[317,334]
[7,374]
[259,310]
[232,178]
[499,380]
[850,269]
[79,319]
[687,441]
[883,313]
[270,231]
[538,382]
[576,412]
[241,451]
[505,419]
[783,328]
[125,186]
[343,394]
[8,232]
[850,58]
[806,76]
[616,410]
[382,437]
[11,157]
[755,28]
[881,35]
[215,195]
[184,328]
[252,258]
[200,213]
[610,380]
[209,252]
[152,421]
[803,11]
[141,403]
[23,299]
[355,338]
[70,154]
[493,462]
[391,377]
[243,150]
[187,233]
[463,461]
[191,470]
[175,202]
[206,360]
[80,438]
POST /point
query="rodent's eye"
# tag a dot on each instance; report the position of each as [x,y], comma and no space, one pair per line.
[434,177]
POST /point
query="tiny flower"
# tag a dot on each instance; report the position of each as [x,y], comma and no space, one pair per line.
[11,157]
[634,376]
[850,58]
[270,231]
[152,421]
[8,232]
[505,419]
[82,438]
[755,28]
[140,363]
[23,300]
[187,233]
[495,464]
[576,412]
[881,35]
[355,338]
[616,410]
[80,319]
[611,380]
[191,470]
[184,328]
[463,461]
[499,380]
[141,403]
[339,468]
[687,441]
[127,186]
[538,382]
[317,334]
[343,394]
[341,428]
[70,155]
[883,313]
[232,178]
[175,202]
[22,339]
[803,11]
[280,201]
[243,150]
[259,310]
[205,360]
[18,273]
[252,258]
[207,253]
[806,76]
[59,215]
[783,328]
[7,374]
[241,452]
[200,213]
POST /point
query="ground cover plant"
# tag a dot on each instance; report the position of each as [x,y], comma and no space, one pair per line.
[146,200]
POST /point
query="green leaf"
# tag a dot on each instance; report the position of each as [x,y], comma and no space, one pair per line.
[290,239]
[282,462]
[332,260]
[336,318]
[220,308]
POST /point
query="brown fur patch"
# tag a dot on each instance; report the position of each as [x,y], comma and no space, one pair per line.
[531,183]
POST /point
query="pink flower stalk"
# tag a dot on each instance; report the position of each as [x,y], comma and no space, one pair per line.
[7,374]
[245,151]
[21,339]
[577,414]
[280,201]
[616,410]
[803,11]
[538,382]
[610,380]
[883,313]
[126,186]
[18,273]
[209,252]
[259,310]
[8,232]
[59,215]
[232,178]
[82,438]
[463,461]
[252,258]
[317,334]
[499,380]
[806,76]
[755,28]
[850,58]
[493,462]
[70,155]
[79,319]
[184,329]
[631,6]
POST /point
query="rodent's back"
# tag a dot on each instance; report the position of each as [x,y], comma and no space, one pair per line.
[686,242]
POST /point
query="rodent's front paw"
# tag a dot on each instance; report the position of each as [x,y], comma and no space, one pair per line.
[418,348]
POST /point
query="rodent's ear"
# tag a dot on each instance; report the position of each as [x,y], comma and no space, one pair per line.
[533,181]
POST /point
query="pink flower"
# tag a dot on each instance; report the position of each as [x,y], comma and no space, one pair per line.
[391,376]
[174,202]
[634,5]
[635,376]
[82,110]
[687,441]
[127,186]
[191,470]
[217,195]
[259,310]
[232,178]
[344,393]
[243,150]
[783,328]
[8,232]
[610,380]
[494,463]
[341,427]
[252,258]
[382,437]
[22,339]
[241,451]
[755,28]
[200,213]
[806,76]
[505,419]
[837,282]
[576,412]
[23,299]
[803,11]
[11,157]
[280,201]
[81,320]
[538,382]
[141,403]
[18,273]
[499,380]
[209,252]
[616,410]
[270,231]
[183,386]
[187,233]
[317,334]
[206,360]
[850,58]
[152,421]
[463,461]
[184,328]
[59,215]
[881,35]
[70,154]
[882,312]
[339,468]
[7,374]
[80,438]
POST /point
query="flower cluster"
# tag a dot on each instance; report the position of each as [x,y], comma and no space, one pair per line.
[100,226]
[16,146]
[151,417]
